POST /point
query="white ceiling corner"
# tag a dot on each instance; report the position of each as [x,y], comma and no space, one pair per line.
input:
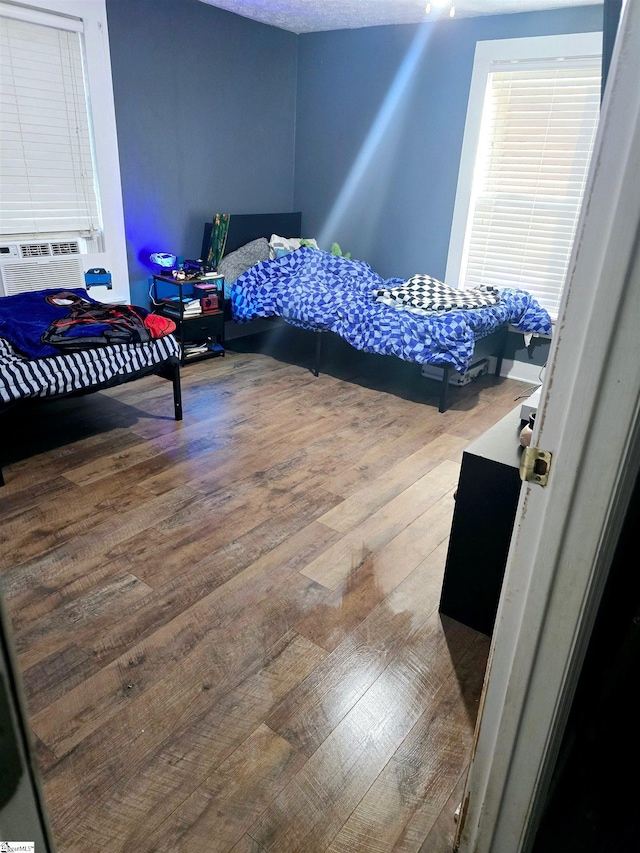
[308,16]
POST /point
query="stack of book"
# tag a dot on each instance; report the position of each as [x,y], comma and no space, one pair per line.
[190,307]
[193,349]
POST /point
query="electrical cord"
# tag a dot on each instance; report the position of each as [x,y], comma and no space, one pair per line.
[529,391]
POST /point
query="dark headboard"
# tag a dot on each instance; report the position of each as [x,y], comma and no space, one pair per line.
[244,227]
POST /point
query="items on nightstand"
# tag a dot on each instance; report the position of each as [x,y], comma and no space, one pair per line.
[207,288]
[163,261]
[197,310]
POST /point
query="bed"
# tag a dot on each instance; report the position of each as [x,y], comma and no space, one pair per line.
[60,343]
[325,293]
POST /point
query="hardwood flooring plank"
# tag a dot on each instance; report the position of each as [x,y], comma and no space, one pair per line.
[200,623]
[247,845]
[190,442]
[441,836]
[309,812]
[215,816]
[494,394]
[124,795]
[309,714]
[253,457]
[48,598]
[34,579]
[195,552]
[37,530]
[107,602]
[57,453]
[352,601]
[408,796]
[367,500]
[339,561]
[456,422]
[195,641]
[18,499]
[375,460]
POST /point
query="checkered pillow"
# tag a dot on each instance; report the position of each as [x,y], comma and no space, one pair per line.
[425,293]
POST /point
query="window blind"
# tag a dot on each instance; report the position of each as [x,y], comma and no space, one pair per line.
[46,158]
[537,135]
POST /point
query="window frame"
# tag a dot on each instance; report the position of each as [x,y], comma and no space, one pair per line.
[532,49]
[92,14]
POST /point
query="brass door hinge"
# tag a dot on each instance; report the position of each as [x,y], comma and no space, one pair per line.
[534,465]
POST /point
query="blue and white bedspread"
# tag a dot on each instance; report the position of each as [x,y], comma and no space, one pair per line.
[319,291]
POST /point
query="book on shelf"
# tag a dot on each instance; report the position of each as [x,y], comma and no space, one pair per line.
[174,311]
[195,349]
[188,308]
[208,285]
[175,300]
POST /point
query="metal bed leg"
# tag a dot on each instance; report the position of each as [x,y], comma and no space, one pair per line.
[177,392]
[501,349]
[444,390]
[316,369]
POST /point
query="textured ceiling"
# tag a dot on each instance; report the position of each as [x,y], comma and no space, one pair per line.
[308,16]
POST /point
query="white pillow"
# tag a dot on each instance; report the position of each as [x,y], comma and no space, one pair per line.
[279,246]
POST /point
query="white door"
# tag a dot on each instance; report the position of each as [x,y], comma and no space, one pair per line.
[566,532]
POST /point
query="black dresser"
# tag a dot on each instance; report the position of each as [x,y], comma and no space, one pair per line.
[486,501]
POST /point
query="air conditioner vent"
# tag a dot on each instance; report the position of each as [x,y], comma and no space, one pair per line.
[68,247]
[23,276]
[35,250]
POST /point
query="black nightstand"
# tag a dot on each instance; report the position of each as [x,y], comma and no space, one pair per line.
[201,332]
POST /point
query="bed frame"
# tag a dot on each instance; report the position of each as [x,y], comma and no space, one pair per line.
[246,227]
[168,369]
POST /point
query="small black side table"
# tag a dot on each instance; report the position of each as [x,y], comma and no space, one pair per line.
[205,329]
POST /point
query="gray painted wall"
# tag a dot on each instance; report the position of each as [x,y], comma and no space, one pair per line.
[360,129]
[381,111]
[380,123]
[205,110]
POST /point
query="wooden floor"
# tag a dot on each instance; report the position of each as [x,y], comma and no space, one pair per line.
[228,628]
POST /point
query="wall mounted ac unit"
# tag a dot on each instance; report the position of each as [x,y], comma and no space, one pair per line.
[39,264]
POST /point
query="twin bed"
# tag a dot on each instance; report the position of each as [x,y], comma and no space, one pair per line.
[32,368]
[419,321]
[264,279]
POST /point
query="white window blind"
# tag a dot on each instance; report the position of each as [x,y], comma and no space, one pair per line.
[47,174]
[538,127]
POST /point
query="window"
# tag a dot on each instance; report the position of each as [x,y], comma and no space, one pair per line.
[48,177]
[531,125]
[58,148]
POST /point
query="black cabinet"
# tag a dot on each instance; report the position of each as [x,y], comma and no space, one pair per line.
[197,308]
[486,502]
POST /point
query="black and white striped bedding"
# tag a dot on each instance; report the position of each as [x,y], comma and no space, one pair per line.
[21,377]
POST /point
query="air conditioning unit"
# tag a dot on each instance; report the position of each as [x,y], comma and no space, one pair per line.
[39,264]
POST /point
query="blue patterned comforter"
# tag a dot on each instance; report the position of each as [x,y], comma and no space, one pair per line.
[319,291]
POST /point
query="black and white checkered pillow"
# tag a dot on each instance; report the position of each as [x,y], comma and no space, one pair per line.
[426,293]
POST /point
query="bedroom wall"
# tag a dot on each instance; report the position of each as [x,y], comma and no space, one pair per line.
[379,129]
[215,111]
[205,111]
